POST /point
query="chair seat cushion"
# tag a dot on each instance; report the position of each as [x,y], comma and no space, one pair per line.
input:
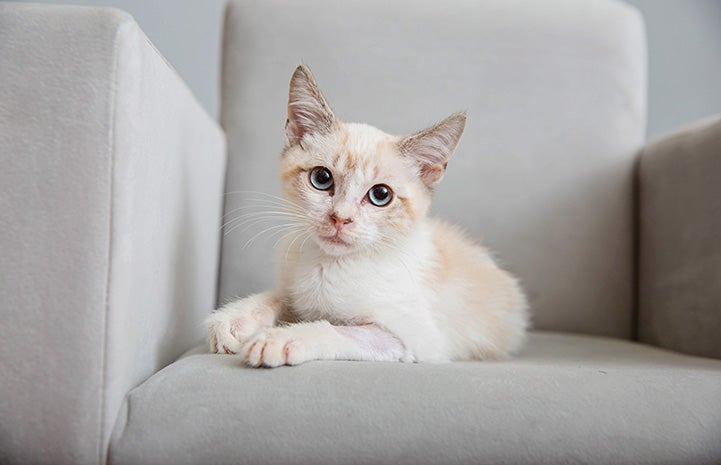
[564,399]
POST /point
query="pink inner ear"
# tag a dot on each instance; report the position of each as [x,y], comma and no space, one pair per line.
[371,337]
[432,147]
[293,132]
[308,112]
[432,174]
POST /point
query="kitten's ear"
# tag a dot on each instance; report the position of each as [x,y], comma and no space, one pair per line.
[432,147]
[308,112]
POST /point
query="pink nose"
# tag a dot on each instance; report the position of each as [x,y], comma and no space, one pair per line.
[339,222]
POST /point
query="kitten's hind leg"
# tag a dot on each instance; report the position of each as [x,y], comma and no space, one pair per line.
[319,340]
[232,324]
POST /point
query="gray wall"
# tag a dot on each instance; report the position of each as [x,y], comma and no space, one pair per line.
[684,48]
[684,39]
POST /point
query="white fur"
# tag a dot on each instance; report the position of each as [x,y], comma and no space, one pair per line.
[386,288]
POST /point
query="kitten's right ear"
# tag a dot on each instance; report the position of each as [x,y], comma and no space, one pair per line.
[308,112]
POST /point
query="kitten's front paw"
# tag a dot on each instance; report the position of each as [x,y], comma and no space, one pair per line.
[274,347]
[230,326]
[222,336]
[227,332]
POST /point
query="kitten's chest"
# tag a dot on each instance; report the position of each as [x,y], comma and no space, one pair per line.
[344,292]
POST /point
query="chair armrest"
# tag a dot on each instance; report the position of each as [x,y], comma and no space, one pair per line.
[111,186]
[680,241]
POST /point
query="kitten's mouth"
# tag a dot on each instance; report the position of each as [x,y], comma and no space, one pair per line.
[334,240]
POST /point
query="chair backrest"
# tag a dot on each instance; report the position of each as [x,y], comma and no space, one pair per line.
[555,92]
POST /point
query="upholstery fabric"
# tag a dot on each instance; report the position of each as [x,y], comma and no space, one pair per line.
[555,93]
[680,229]
[565,399]
[110,204]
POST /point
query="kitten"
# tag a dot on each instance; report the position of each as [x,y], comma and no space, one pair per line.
[370,277]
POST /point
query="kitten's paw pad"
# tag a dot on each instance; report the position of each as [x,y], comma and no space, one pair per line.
[274,347]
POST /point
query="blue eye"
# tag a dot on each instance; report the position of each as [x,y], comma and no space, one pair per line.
[321,179]
[380,195]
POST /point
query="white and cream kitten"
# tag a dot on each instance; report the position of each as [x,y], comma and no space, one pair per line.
[375,278]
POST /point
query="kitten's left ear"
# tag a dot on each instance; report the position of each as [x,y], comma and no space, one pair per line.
[432,147]
[308,112]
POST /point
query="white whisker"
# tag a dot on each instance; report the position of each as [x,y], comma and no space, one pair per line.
[303,243]
[308,232]
[281,232]
[268,197]
[284,236]
[272,228]
[264,214]
[249,223]
[269,206]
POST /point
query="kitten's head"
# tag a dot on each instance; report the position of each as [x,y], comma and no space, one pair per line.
[356,187]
